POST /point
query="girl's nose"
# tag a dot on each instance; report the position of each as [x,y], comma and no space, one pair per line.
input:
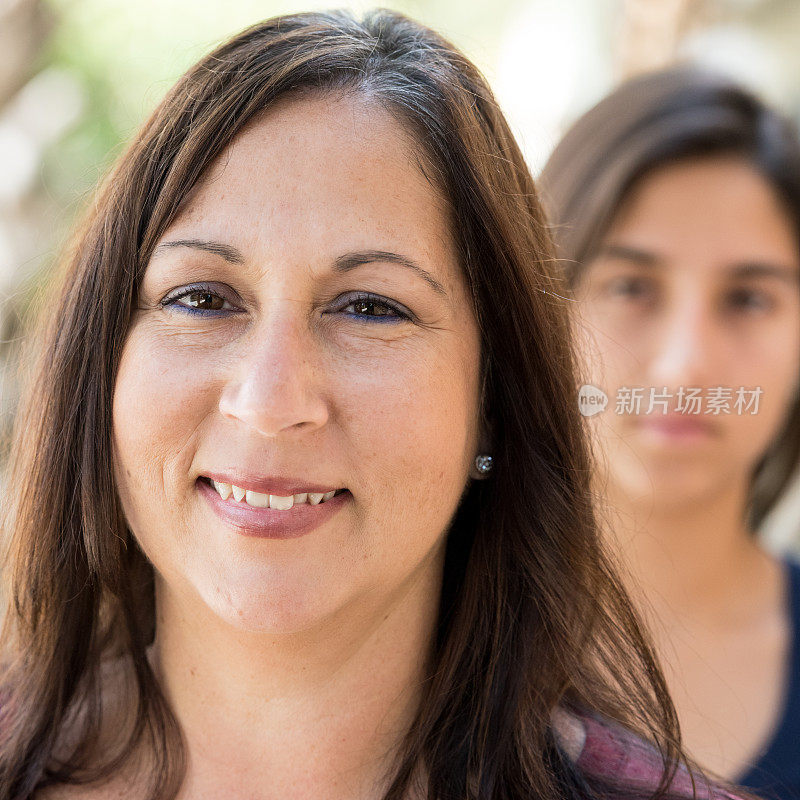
[275,386]
[684,346]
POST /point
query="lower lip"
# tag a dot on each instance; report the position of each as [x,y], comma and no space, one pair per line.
[270,523]
[677,431]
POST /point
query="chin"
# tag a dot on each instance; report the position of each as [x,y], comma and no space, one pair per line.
[671,486]
[268,604]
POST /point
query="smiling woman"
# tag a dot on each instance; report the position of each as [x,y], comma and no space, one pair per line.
[320,323]
[300,502]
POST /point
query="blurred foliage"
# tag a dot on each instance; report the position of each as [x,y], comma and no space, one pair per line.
[127,55]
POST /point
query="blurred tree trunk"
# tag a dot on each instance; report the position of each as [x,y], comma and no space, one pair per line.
[651,31]
[24,28]
[24,25]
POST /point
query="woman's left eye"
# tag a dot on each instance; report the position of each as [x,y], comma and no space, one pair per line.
[198,300]
[373,308]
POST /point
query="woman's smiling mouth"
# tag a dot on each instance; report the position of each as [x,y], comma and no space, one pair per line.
[275,516]
[277,501]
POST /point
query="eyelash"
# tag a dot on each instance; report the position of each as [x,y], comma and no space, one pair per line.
[399,314]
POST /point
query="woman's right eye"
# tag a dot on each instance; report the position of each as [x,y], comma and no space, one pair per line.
[199,300]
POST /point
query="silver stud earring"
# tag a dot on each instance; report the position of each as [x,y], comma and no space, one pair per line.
[483,464]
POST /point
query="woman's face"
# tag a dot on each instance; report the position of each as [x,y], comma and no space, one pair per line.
[694,286]
[303,327]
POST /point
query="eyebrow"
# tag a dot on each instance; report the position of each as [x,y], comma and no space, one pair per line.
[352,260]
[758,269]
[628,253]
[227,252]
[343,263]
[744,269]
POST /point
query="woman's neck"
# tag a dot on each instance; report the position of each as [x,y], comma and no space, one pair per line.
[314,714]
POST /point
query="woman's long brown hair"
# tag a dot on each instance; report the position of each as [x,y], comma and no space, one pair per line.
[532,614]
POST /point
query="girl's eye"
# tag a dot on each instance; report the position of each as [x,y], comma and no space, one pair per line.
[749,300]
[373,307]
[629,287]
[198,300]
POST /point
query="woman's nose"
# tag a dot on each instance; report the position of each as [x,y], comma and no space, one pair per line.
[275,385]
[684,343]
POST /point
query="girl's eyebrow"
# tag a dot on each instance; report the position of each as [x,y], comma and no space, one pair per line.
[743,269]
[627,253]
[763,269]
[343,263]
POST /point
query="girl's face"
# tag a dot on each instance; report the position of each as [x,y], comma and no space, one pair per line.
[303,328]
[695,287]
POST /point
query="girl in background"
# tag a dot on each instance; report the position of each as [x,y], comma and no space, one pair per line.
[675,203]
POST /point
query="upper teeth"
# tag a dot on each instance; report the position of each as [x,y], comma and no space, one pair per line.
[259,500]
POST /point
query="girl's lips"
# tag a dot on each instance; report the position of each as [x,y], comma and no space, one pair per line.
[677,428]
[271,523]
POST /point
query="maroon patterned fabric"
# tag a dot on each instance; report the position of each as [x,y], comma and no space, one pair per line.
[613,754]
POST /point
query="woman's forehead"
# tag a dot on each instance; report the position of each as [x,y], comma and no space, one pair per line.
[325,173]
[322,149]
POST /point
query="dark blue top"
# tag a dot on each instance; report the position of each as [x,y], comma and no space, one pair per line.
[776,774]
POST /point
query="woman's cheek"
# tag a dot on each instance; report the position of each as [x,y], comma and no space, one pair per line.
[160,397]
[412,418]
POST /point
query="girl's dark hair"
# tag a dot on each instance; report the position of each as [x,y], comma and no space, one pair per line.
[680,113]
[531,616]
